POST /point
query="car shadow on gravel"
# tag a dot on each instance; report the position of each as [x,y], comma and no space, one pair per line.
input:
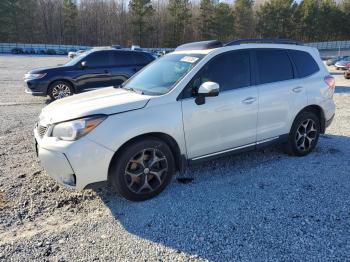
[260,205]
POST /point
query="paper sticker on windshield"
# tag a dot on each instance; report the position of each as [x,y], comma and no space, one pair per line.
[189,59]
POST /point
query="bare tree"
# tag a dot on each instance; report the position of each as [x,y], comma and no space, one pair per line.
[160,23]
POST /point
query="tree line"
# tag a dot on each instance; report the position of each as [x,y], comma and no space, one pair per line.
[168,23]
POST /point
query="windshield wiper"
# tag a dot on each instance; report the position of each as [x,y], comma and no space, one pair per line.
[133,90]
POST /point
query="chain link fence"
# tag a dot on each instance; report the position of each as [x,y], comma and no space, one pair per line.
[330,48]
[17,48]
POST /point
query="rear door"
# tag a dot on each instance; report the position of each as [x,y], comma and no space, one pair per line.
[123,66]
[281,93]
[96,73]
[228,121]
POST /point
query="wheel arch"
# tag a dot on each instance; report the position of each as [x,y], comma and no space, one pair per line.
[63,80]
[319,112]
[169,140]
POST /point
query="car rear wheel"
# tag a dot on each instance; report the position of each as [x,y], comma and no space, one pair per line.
[60,89]
[304,134]
[143,169]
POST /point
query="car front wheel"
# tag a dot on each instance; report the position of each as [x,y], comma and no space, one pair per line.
[60,89]
[304,134]
[143,169]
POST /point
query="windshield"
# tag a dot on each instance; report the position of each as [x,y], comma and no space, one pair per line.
[160,77]
[75,60]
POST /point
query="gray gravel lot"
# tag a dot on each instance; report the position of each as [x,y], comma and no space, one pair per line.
[260,206]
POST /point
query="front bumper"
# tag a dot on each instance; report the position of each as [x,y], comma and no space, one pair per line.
[35,87]
[74,164]
[57,166]
[329,121]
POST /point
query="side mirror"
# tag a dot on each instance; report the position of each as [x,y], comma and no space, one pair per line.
[206,89]
[83,64]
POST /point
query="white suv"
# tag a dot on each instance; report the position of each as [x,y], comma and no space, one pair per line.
[203,100]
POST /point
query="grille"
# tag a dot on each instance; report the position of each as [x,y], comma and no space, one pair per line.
[42,130]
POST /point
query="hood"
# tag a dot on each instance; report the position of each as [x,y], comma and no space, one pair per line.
[104,101]
[49,69]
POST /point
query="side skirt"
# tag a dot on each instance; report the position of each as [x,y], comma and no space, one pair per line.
[237,150]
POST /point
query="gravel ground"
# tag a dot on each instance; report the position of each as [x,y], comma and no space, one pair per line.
[261,205]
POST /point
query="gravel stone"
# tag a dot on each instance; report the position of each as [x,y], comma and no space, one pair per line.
[264,205]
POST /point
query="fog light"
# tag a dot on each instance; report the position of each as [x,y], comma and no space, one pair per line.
[69,180]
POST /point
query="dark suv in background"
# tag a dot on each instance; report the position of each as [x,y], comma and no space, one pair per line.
[90,70]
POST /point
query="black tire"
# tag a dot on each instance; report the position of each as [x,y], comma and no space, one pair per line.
[310,123]
[57,86]
[347,75]
[128,175]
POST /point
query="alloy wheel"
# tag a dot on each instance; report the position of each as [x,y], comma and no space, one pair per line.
[60,91]
[146,171]
[306,135]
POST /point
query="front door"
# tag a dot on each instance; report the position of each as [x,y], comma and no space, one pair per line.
[225,122]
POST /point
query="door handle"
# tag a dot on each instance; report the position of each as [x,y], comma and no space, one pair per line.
[297,89]
[249,100]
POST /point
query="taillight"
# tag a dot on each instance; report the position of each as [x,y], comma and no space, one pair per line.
[348,66]
[330,81]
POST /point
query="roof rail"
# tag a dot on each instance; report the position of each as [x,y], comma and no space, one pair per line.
[264,41]
[200,45]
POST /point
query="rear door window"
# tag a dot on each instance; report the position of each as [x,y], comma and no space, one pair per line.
[273,65]
[304,62]
[122,58]
[141,58]
[98,59]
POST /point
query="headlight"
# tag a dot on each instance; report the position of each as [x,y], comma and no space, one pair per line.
[72,130]
[29,76]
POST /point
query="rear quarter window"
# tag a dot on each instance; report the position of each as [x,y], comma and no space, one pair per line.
[304,62]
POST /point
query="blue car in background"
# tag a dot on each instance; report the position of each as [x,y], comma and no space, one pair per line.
[90,70]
